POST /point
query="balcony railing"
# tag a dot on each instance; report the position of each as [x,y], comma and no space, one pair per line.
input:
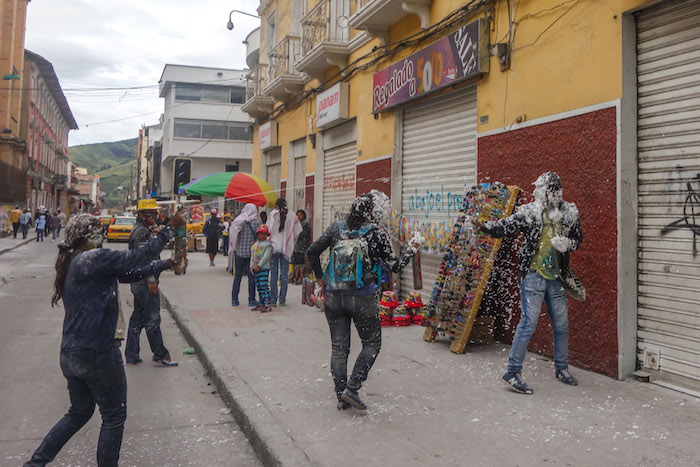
[283,57]
[317,26]
[253,85]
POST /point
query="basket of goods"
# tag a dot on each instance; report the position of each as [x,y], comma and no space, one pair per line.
[415,304]
[387,304]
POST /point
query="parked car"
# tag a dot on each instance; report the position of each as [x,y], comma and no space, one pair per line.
[120,228]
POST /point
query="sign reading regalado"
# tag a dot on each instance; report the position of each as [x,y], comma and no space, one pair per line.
[459,56]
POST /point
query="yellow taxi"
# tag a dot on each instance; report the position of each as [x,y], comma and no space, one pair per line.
[120,228]
[105,221]
[196,227]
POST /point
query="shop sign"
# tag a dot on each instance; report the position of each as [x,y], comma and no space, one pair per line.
[268,135]
[459,56]
[332,106]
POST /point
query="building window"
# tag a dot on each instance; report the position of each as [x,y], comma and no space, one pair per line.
[187,129]
[187,92]
[232,167]
[271,31]
[238,95]
[207,129]
[204,93]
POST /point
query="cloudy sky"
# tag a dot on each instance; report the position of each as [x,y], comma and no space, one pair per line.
[97,44]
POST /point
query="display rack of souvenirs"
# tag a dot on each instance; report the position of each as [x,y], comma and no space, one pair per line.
[387,304]
[402,316]
[467,265]
[414,303]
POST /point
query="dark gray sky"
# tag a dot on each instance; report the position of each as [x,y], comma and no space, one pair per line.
[96,44]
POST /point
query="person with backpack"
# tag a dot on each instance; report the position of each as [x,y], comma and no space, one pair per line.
[211,230]
[350,282]
[241,237]
[284,229]
[25,221]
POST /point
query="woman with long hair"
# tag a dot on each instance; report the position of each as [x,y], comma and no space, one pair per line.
[351,293]
[302,244]
[86,282]
[284,229]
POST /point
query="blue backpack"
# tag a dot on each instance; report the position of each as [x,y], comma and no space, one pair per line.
[349,259]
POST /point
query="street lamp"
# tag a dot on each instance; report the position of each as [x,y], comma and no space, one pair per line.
[229,25]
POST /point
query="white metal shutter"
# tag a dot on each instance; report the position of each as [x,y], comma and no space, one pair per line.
[274,175]
[338,183]
[299,183]
[668,77]
[439,154]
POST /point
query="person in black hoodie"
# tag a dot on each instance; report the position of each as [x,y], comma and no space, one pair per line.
[86,282]
[357,302]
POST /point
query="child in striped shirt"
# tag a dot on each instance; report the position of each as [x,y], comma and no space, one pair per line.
[261,253]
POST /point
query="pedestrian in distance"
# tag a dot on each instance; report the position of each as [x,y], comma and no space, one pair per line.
[241,238]
[40,227]
[551,228]
[14,218]
[260,256]
[211,230]
[263,217]
[25,220]
[284,230]
[224,237]
[62,219]
[146,312]
[352,292]
[301,267]
[55,225]
[91,362]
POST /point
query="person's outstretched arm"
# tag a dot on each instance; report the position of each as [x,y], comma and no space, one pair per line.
[380,250]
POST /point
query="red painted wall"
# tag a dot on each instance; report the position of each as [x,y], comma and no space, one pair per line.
[374,176]
[309,201]
[283,189]
[582,150]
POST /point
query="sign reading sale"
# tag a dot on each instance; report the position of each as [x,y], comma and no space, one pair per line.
[461,55]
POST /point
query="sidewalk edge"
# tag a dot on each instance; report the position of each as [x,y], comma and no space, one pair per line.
[22,242]
[273,445]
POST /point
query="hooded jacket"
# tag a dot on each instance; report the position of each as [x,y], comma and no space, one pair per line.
[529,219]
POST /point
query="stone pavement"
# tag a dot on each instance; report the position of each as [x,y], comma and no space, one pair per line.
[426,404]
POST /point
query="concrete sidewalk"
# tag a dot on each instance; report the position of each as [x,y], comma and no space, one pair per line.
[426,404]
[8,243]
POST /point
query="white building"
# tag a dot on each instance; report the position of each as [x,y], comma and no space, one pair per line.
[203,122]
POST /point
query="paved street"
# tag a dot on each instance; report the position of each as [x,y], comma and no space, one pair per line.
[173,417]
[427,406]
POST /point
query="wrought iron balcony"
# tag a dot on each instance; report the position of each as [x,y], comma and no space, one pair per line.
[325,36]
[256,104]
[282,77]
[377,16]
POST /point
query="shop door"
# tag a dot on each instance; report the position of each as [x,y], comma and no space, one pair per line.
[439,157]
[668,155]
[338,182]
[274,175]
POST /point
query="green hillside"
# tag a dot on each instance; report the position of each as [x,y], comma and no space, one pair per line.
[113,162]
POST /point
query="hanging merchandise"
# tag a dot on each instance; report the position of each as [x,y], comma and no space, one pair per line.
[467,264]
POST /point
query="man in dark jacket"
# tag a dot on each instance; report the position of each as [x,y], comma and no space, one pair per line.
[211,230]
[146,295]
[552,229]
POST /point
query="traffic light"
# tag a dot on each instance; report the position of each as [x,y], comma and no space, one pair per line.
[181,173]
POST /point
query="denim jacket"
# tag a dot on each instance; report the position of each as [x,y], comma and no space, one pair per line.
[529,219]
[90,296]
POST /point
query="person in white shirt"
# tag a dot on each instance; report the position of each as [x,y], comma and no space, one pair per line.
[284,229]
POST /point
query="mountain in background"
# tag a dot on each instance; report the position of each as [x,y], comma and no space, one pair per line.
[114,162]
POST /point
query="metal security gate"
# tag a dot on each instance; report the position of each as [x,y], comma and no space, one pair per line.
[439,166]
[668,145]
[299,183]
[338,182]
[274,175]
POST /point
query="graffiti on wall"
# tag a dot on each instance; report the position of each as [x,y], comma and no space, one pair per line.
[430,202]
[691,211]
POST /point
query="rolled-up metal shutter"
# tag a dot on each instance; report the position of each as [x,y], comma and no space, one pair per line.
[274,175]
[668,145]
[439,156]
[299,183]
[338,182]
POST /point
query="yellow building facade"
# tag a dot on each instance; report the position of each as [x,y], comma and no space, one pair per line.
[424,99]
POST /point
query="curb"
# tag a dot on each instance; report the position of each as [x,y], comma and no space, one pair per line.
[22,242]
[273,445]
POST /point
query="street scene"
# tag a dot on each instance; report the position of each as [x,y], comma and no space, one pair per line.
[342,232]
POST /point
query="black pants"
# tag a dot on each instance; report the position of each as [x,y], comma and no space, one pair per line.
[146,315]
[364,312]
[15,229]
[93,378]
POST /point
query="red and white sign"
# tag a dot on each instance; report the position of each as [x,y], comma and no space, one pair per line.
[268,135]
[332,106]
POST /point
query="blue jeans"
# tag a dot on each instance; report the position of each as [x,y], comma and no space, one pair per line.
[535,289]
[279,267]
[146,315]
[93,378]
[242,266]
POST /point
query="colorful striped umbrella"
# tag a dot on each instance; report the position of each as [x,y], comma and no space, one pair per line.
[238,186]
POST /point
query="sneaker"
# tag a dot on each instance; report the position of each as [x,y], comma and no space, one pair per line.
[211,263]
[135,361]
[253,303]
[352,398]
[164,362]
[565,377]
[235,303]
[283,304]
[257,308]
[517,383]
[342,405]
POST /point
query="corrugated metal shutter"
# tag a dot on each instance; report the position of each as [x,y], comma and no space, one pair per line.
[338,182]
[439,156]
[299,183]
[668,74]
[274,175]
